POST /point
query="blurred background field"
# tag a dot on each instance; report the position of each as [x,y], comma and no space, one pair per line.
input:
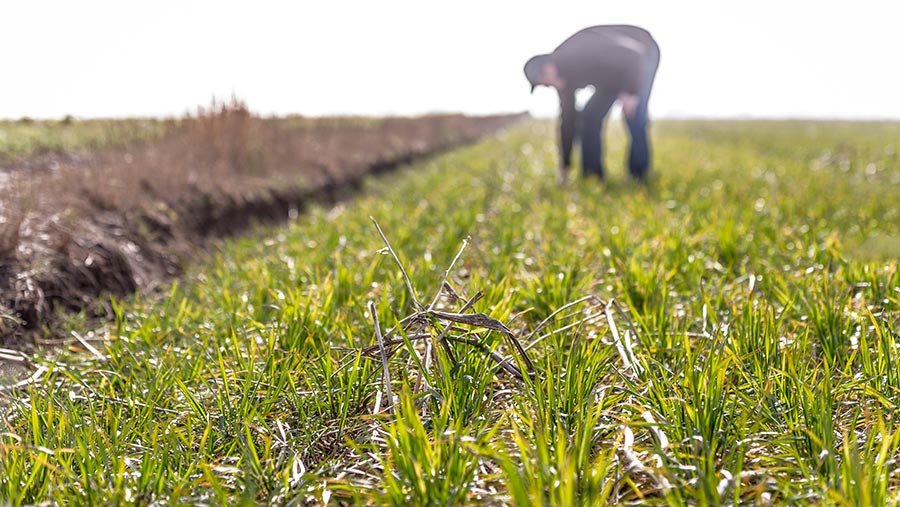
[26,136]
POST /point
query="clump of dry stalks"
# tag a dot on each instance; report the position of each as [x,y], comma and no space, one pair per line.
[433,328]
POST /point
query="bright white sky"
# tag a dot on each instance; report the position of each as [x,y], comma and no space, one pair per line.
[767,58]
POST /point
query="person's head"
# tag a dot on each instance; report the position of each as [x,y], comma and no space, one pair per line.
[540,70]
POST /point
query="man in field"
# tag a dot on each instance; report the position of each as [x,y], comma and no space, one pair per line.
[620,62]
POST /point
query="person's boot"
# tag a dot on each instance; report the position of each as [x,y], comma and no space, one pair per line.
[593,173]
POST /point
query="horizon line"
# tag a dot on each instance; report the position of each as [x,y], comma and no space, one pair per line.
[661,117]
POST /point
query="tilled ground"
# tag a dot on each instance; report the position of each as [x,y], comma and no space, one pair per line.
[76,227]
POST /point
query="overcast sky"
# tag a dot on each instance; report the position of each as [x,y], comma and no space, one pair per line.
[768,58]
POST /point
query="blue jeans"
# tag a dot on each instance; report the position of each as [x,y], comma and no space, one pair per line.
[593,116]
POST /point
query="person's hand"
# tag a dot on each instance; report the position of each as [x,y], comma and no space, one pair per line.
[629,104]
[563,177]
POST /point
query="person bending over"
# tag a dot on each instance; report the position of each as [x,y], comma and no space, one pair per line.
[620,62]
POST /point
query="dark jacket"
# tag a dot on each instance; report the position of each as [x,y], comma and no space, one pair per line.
[611,58]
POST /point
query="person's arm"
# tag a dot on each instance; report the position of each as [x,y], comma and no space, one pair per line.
[566,129]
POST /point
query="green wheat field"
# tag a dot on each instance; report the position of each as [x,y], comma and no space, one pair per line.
[728,335]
